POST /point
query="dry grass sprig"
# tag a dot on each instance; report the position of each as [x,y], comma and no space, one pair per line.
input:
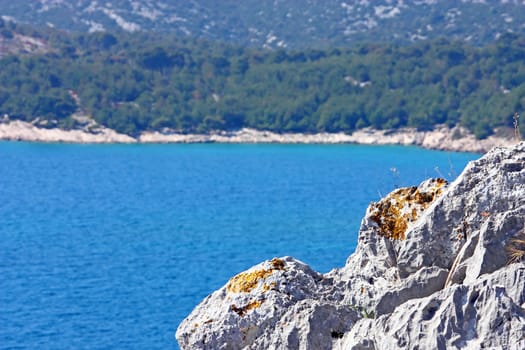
[517,133]
[516,248]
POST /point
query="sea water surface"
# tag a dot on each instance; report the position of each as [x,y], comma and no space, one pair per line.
[111,246]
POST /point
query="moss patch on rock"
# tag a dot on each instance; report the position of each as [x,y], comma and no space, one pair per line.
[393,213]
[247,281]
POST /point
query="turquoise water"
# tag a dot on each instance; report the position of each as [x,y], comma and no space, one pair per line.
[111,246]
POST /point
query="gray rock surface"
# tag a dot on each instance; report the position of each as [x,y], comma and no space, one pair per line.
[483,315]
[277,304]
[438,266]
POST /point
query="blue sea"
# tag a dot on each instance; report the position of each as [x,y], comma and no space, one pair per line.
[111,246]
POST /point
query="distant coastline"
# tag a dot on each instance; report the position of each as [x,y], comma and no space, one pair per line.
[441,138]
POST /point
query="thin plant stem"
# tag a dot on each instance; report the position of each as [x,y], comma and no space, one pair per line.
[517,134]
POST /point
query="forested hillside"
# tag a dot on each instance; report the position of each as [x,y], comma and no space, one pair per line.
[133,82]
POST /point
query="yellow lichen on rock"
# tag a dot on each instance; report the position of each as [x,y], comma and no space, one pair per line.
[427,197]
[277,264]
[247,281]
[394,212]
[253,305]
[267,287]
[241,311]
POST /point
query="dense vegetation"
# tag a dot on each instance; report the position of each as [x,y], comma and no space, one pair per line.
[150,81]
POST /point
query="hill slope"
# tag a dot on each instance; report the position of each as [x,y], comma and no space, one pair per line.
[291,24]
[133,82]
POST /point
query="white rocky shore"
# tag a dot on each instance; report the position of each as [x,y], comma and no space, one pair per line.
[17,130]
[438,266]
[441,138]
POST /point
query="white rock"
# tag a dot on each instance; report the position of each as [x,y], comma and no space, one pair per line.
[276,304]
[482,315]
[431,271]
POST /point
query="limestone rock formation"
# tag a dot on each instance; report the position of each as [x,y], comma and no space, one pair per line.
[438,266]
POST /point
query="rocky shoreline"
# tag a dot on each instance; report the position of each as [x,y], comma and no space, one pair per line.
[23,131]
[441,138]
[437,266]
